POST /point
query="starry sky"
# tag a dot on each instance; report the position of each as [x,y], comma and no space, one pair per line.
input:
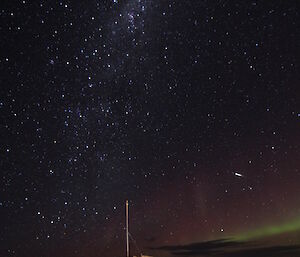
[189,109]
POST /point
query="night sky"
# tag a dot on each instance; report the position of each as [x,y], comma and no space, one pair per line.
[189,109]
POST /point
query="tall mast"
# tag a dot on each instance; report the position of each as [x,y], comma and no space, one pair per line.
[127,231]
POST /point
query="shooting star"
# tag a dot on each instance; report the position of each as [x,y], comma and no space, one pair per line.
[238,174]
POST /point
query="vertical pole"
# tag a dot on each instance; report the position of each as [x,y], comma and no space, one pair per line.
[127,231]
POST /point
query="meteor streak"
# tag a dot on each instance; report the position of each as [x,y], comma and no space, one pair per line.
[238,174]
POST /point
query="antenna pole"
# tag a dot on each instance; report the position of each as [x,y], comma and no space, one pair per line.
[127,231]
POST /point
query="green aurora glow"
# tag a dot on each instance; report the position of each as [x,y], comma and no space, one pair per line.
[268,231]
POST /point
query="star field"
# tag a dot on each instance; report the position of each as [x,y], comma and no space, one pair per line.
[189,109]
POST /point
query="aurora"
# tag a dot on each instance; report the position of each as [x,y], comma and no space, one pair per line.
[272,230]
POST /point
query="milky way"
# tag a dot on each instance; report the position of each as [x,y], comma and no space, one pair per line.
[189,109]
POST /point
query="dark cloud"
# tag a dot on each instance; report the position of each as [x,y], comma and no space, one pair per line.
[207,247]
[230,248]
[273,251]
